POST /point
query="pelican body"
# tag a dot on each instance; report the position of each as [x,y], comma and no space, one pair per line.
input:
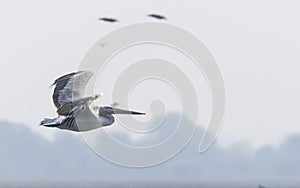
[73,109]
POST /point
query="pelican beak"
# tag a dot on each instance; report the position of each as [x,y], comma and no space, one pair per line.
[121,111]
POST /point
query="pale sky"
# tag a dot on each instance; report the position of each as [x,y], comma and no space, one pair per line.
[256,44]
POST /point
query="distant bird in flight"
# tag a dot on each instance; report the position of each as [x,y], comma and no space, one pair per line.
[260,186]
[73,109]
[157,16]
[112,20]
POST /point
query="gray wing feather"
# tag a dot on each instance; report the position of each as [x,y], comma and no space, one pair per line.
[70,87]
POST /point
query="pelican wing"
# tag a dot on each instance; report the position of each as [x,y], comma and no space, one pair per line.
[70,87]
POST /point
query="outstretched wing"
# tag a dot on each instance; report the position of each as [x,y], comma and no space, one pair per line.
[70,87]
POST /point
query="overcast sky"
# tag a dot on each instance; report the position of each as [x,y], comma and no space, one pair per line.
[256,44]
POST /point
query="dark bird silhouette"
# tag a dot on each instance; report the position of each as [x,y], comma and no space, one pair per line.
[112,20]
[160,17]
[260,186]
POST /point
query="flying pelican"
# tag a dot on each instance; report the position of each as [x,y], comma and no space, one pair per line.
[74,112]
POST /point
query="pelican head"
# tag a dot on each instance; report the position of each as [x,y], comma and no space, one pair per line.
[111,110]
[106,114]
